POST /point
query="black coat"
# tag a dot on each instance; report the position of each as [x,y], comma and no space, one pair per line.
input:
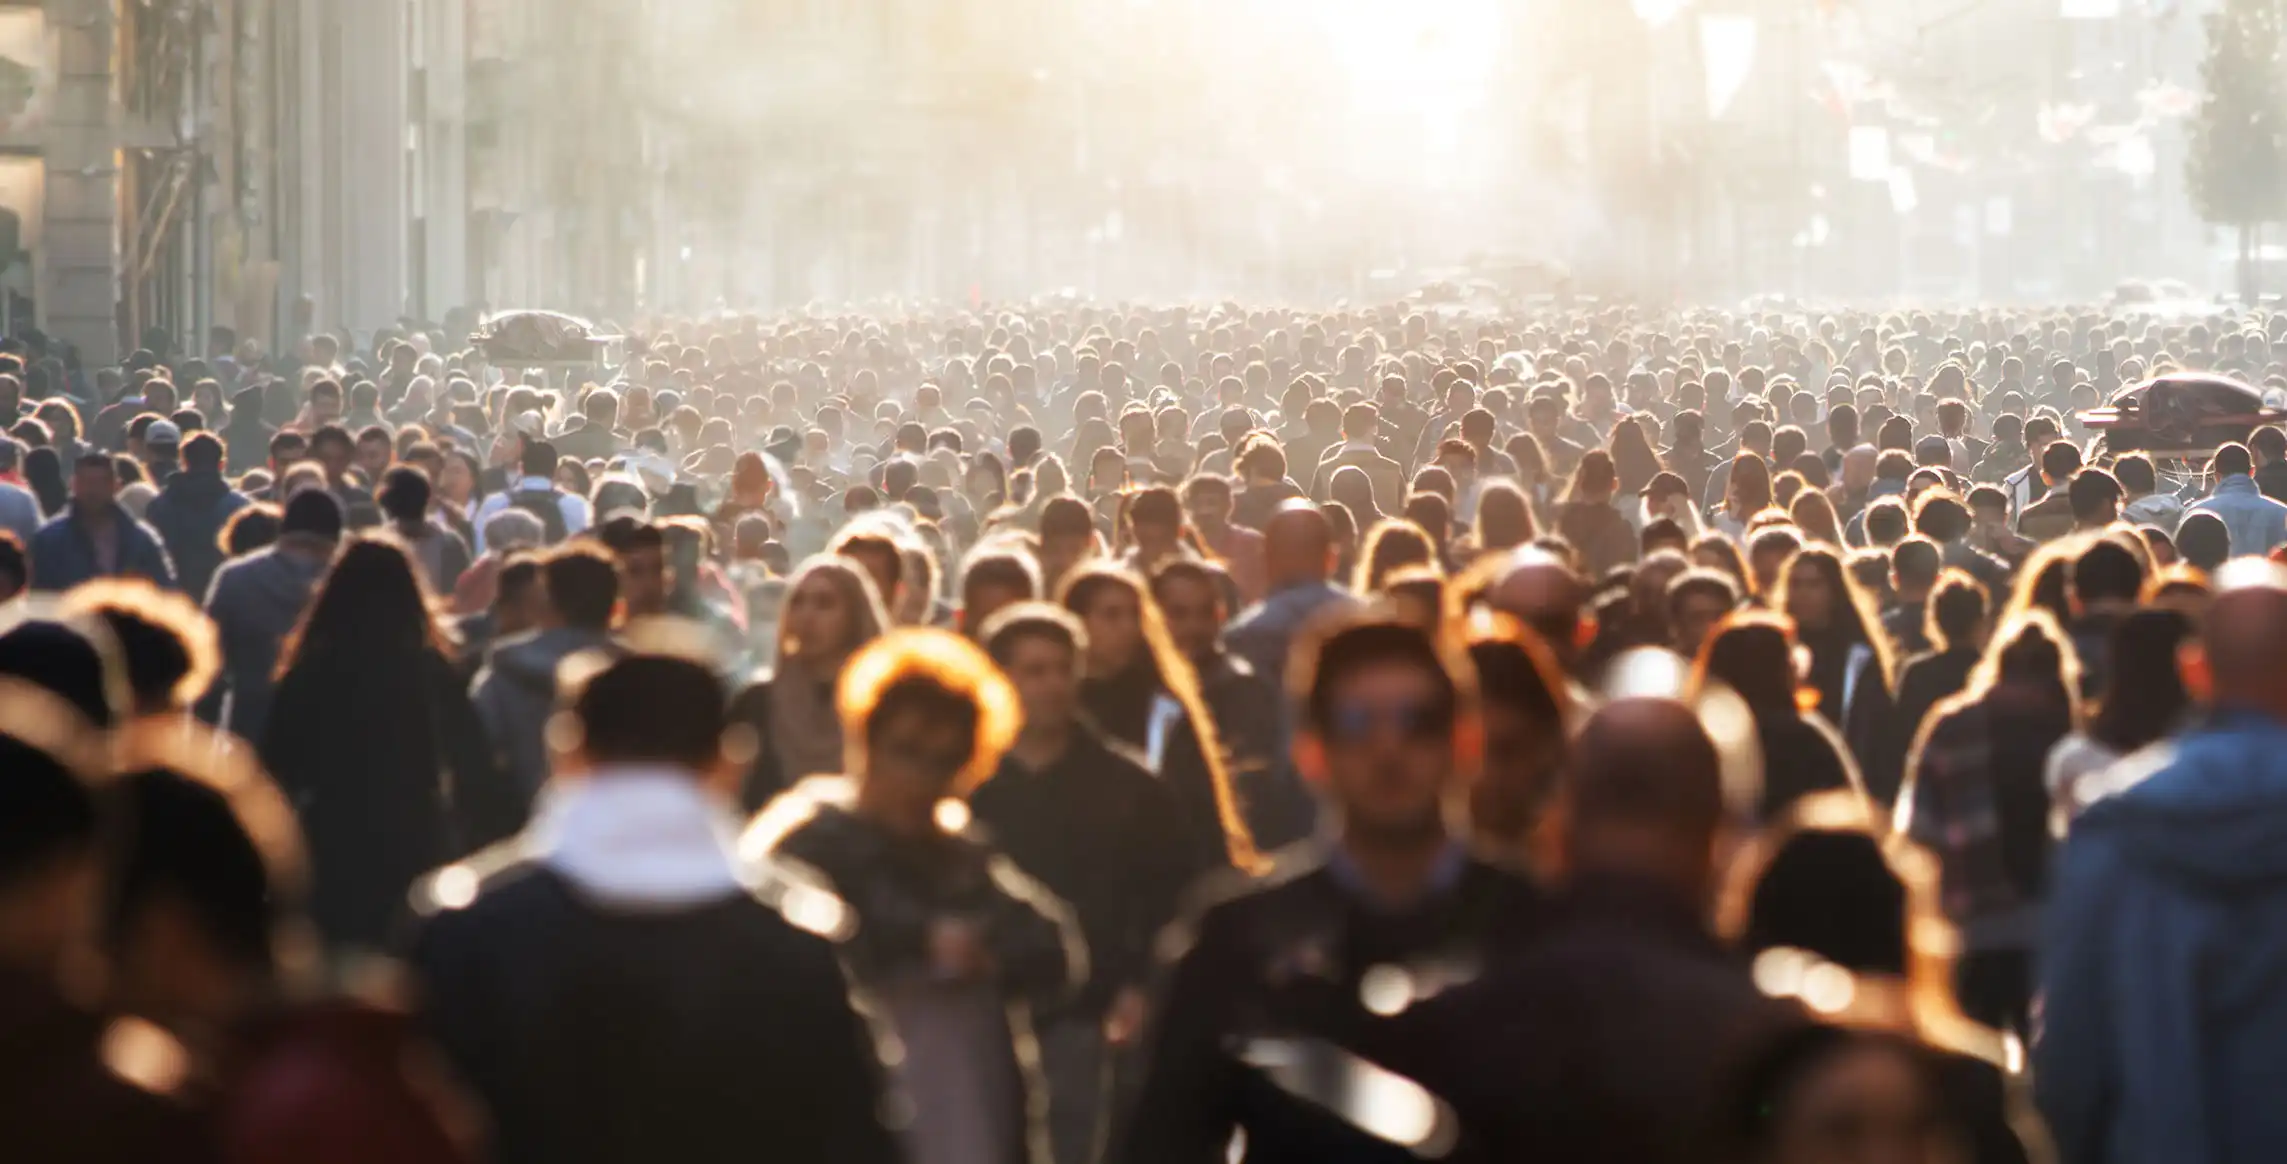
[389,769]
[706,1034]
[1122,707]
[1608,1041]
[1801,756]
[1284,963]
[61,1104]
[1923,682]
[1105,836]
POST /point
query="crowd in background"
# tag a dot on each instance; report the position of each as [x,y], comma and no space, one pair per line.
[1058,734]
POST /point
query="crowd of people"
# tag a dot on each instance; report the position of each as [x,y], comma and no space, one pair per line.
[1062,734]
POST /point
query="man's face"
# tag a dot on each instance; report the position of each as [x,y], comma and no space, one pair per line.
[1191,611]
[1857,472]
[644,581]
[326,406]
[1388,747]
[1046,675]
[94,487]
[373,457]
[1695,618]
[335,456]
[911,761]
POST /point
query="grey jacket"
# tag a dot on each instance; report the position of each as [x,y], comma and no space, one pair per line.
[255,602]
[516,692]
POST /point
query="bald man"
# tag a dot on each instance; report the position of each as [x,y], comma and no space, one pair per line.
[1608,1041]
[2164,966]
[1298,565]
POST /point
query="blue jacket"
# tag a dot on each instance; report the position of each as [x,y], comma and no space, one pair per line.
[2256,522]
[2164,973]
[63,555]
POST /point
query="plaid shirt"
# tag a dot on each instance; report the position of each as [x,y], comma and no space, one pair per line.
[1952,800]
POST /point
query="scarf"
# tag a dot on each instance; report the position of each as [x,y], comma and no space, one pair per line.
[805,730]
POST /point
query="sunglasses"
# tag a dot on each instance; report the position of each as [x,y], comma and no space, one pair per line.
[1357,723]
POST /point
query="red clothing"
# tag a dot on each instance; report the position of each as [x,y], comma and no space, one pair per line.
[339,1082]
[1242,552]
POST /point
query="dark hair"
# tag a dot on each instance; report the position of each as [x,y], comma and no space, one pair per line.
[2204,540]
[2092,491]
[652,708]
[1885,521]
[2135,473]
[1941,517]
[2106,571]
[1957,605]
[1066,517]
[2061,459]
[404,495]
[2146,698]
[583,584]
[1365,641]
[1832,893]
[2233,460]
[202,452]
[1916,561]
[47,811]
[1031,620]
[1504,517]
[1750,479]
[312,511]
[627,534]
[372,603]
[251,528]
[183,841]
[1011,570]
[330,434]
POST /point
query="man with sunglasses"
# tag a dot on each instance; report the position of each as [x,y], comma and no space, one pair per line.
[1282,985]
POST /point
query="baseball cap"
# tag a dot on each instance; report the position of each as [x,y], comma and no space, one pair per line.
[163,433]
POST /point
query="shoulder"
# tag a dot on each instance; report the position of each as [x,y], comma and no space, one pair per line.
[1228,909]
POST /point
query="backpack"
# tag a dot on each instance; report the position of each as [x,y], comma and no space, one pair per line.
[545,504]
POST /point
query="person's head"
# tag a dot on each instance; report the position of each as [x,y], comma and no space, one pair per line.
[2242,639]
[2060,459]
[582,585]
[204,877]
[831,609]
[375,450]
[995,579]
[1389,729]
[1504,518]
[2136,476]
[2095,498]
[1067,537]
[1298,545]
[1527,709]
[925,716]
[203,453]
[94,483]
[2145,696]
[404,496]
[1822,598]
[49,831]
[1191,599]
[645,576]
[1697,600]
[1753,654]
[2204,540]
[332,447]
[1392,544]
[1768,551]
[2232,460]
[1914,566]
[1956,615]
[1541,589]
[1040,647]
[1155,522]
[1749,490]
[1114,608]
[656,702]
[373,604]
[1643,796]
[166,642]
[2106,575]
[1207,499]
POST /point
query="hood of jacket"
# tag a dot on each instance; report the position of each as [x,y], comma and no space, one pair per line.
[2154,509]
[2212,814]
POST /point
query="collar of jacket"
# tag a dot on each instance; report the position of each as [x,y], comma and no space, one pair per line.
[639,835]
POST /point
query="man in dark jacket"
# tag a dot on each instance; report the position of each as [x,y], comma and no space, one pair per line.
[1548,1059]
[190,511]
[611,985]
[515,693]
[1277,1013]
[94,537]
[245,434]
[1247,709]
[256,601]
[1087,820]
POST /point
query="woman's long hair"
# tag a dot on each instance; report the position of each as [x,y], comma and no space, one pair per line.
[1633,455]
[1853,611]
[1813,514]
[373,603]
[2146,699]
[2044,583]
[1393,543]
[1754,654]
[44,473]
[1180,681]
[868,617]
[1504,518]
[1593,479]
[1749,491]
[1729,560]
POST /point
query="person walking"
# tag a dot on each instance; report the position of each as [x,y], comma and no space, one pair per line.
[516,691]
[190,511]
[95,537]
[255,601]
[619,985]
[373,739]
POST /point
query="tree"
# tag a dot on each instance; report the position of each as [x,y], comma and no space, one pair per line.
[2237,169]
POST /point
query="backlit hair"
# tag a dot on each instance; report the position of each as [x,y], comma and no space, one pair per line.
[938,658]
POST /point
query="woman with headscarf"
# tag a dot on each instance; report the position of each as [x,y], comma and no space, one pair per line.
[1141,691]
[1849,656]
[372,736]
[831,609]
